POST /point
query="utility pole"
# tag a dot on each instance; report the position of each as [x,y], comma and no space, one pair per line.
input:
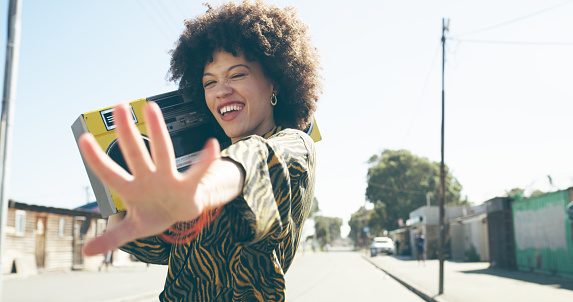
[10,77]
[441,236]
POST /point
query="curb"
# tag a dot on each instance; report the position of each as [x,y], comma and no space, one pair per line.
[420,293]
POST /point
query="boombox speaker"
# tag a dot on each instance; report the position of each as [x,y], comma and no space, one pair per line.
[188,126]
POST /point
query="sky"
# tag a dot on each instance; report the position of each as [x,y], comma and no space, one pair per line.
[508,91]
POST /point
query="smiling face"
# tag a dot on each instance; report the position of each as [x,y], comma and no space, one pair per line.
[238,94]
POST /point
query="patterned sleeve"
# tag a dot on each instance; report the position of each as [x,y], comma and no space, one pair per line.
[279,173]
[149,250]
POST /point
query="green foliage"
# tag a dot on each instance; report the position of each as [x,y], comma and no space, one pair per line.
[314,208]
[398,183]
[536,193]
[367,218]
[327,229]
[516,193]
[358,221]
[377,214]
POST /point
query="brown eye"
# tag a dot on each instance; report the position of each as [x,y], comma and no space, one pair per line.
[208,83]
[238,75]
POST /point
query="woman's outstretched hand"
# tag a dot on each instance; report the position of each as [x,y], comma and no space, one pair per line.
[155,194]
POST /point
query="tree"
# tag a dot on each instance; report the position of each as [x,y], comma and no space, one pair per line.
[516,193]
[398,183]
[327,229]
[358,221]
[314,208]
[369,219]
[536,193]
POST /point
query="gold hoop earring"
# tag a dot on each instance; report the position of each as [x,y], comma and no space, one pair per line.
[273,99]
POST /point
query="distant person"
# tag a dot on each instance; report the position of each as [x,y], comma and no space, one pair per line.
[397,243]
[406,250]
[421,247]
[107,259]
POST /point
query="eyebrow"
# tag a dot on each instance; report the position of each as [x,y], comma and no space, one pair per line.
[230,68]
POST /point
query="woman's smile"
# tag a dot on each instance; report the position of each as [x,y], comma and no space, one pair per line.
[229,111]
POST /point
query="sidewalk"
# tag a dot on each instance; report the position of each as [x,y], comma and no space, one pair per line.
[473,281]
[131,283]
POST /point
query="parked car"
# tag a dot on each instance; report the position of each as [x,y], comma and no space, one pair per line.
[381,245]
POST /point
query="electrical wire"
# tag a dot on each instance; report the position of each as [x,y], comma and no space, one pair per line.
[395,189]
[157,25]
[513,20]
[514,42]
[166,17]
[423,91]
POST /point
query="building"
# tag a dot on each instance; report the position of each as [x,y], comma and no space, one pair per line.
[426,220]
[40,238]
[544,233]
[469,239]
[500,232]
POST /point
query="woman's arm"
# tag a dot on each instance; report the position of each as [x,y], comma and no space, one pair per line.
[278,186]
[156,195]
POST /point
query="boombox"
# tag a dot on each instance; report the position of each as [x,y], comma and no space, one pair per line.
[189,127]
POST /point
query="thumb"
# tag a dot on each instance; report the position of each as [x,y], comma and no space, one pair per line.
[111,239]
[210,152]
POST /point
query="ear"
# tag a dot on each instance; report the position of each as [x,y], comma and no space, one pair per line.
[275,88]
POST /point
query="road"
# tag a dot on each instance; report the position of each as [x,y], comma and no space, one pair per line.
[341,276]
[316,277]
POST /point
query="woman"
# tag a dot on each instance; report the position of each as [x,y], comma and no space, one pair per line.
[234,219]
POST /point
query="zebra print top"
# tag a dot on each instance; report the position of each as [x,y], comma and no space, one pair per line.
[245,252]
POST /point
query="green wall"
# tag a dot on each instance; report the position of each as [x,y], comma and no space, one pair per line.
[543,234]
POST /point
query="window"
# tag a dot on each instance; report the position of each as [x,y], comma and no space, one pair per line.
[20,227]
[94,228]
[62,227]
[101,224]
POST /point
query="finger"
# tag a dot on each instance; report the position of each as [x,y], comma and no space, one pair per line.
[161,145]
[210,152]
[111,239]
[102,165]
[131,142]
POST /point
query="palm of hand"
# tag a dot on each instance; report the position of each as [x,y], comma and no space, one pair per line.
[155,195]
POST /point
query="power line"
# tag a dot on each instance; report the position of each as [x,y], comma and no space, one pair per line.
[515,42]
[381,186]
[152,17]
[514,20]
[395,189]
[166,17]
[423,91]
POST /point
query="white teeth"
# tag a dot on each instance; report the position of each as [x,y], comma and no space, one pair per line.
[230,108]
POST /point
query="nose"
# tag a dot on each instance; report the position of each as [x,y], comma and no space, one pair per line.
[224,89]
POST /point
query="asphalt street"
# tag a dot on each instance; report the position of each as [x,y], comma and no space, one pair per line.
[341,275]
[333,276]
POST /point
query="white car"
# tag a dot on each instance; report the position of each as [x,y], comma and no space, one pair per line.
[381,245]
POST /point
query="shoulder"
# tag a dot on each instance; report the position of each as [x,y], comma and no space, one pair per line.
[294,136]
[287,138]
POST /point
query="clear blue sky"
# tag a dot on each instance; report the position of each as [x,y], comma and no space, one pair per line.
[509,107]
